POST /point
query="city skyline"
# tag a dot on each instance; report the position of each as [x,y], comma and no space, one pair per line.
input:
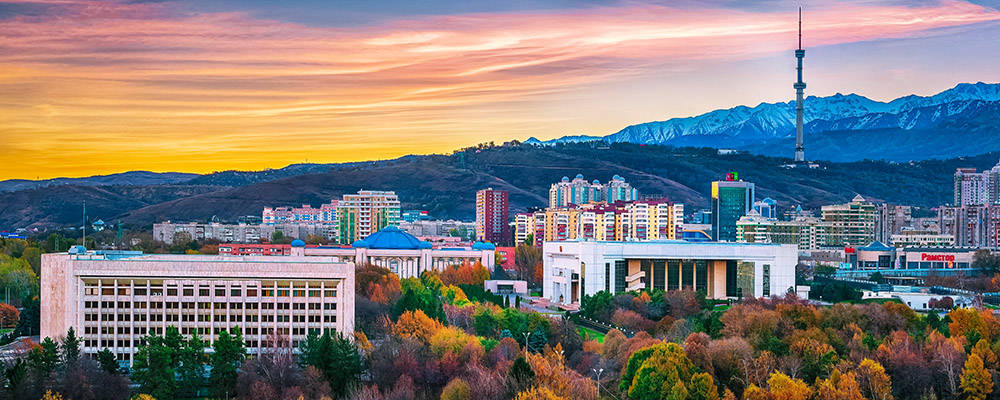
[97,87]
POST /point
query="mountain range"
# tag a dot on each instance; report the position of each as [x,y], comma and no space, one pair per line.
[919,141]
[908,128]
[124,178]
[445,185]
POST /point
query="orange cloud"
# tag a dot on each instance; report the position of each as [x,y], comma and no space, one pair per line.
[99,87]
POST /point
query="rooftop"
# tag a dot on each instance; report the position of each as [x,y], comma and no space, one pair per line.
[391,237]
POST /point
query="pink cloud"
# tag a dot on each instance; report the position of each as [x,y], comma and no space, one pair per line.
[115,70]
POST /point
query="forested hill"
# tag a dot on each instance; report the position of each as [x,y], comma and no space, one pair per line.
[446,185]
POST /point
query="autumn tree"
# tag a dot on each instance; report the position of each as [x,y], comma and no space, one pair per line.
[526,258]
[977,383]
[781,387]
[416,325]
[465,274]
[946,359]
[9,315]
[378,284]
[973,324]
[456,389]
[551,372]
[537,393]
[839,387]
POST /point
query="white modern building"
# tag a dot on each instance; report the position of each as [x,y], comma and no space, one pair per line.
[572,269]
[113,299]
[405,255]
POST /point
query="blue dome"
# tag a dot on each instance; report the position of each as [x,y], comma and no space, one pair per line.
[596,181]
[298,243]
[483,246]
[579,176]
[360,243]
[565,179]
[391,237]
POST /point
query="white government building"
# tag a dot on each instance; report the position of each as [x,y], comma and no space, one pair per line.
[572,269]
[115,298]
[404,254]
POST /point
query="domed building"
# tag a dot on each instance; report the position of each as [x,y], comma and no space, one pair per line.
[405,254]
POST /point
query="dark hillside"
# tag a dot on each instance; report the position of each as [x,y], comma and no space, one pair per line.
[446,185]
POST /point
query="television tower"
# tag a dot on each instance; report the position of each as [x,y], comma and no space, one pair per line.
[800,155]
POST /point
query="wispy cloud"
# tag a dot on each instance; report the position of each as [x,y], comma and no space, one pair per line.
[172,88]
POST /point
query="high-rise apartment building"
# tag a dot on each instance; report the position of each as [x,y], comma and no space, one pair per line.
[637,220]
[618,190]
[973,226]
[649,220]
[492,221]
[365,213]
[890,220]
[354,217]
[977,188]
[808,233]
[853,222]
[578,191]
[113,299]
[731,199]
[530,226]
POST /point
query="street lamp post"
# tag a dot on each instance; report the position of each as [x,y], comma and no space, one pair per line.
[598,373]
[526,336]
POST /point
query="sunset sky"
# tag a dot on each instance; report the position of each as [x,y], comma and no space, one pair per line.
[96,87]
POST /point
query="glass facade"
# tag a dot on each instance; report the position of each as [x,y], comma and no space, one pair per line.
[607,277]
[674,274]
[730,201]
[659,274]
[621,269]
[731,288]
[701,275]
[744,279]
[766,285]
[687,274]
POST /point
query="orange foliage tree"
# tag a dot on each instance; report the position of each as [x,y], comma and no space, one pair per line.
[8,315]
[416,325]
[551,373]
[465,274]
[378,284]
[974,324]
[780,387]
[838,387]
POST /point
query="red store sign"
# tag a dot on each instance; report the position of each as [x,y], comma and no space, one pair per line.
[937,257]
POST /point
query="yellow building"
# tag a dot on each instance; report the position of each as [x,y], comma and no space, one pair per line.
[608,222]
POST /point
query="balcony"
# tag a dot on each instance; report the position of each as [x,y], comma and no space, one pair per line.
[635,276]
[635,286]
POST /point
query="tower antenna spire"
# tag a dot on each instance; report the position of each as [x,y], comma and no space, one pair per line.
[799,86]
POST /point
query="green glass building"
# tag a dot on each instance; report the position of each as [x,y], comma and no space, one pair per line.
[731,199]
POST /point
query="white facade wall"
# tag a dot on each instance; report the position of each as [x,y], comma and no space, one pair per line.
[563,259]
[112,301]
